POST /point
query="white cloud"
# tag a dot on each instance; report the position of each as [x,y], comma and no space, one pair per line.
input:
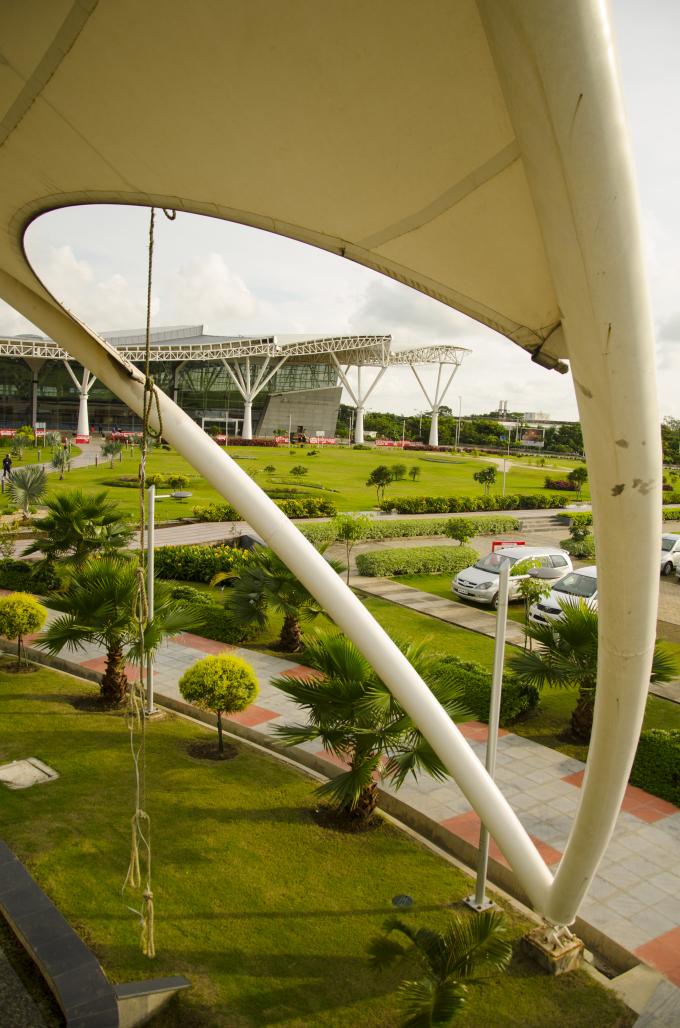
[206,290]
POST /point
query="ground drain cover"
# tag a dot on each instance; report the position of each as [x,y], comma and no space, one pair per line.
[402,900]
[22,774]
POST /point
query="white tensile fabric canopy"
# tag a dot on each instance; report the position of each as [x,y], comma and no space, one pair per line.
[474,149]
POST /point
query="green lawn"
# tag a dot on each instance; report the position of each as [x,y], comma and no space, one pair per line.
[266,913]
[440,585]
[549,724]
[340,472]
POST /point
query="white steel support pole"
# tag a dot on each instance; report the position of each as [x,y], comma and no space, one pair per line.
[460,410]
[150,582]
[434,423]
[569,121]
[479,901]
[359,422]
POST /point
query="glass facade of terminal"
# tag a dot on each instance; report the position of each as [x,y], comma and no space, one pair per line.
[202,389]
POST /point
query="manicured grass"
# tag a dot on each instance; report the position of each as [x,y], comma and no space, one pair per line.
[266,913]
[440,585]
[342,472]
[549,724]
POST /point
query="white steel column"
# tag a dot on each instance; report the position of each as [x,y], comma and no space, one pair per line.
[248,389]
[35,364]
[570,125]
[358,397]
[435,401]
[84,391]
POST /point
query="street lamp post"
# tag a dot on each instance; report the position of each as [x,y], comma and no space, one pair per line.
[505,461]
[478,901]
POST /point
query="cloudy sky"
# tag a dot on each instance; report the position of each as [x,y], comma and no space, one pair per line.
[236,280]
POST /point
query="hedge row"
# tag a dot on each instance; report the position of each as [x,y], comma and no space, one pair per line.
[198,563]
[561,484]
[461,504]
[582,548]
[475,683]
[671,515]
[419,560]
[657,764]
[27,576]
[305,507]
[325,532]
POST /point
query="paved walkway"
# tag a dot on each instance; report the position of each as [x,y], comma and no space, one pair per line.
[635,898]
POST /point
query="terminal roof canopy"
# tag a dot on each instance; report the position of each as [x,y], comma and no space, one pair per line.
[189,342]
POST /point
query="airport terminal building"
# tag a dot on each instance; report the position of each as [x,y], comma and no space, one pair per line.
[246,386]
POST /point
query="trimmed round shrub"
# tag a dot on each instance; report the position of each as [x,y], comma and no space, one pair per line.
[222,684]
[20,614]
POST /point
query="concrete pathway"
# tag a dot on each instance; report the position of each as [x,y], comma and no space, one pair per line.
[635,899]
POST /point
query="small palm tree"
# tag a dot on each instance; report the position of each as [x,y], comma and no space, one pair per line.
[352,712]
[111,449]
[98,606]
[266,586]
[27,487]
[469,950]
[60,459]
[77,525]
[567,657]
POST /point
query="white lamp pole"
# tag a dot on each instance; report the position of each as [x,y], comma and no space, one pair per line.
[460,409]
[150,570]
[478,901]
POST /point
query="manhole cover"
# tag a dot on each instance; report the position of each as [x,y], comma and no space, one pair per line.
[22,774]
[402,900]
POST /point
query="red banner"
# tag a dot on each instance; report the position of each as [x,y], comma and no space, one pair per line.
[389,442]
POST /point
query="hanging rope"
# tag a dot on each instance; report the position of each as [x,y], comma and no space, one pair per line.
[140,823]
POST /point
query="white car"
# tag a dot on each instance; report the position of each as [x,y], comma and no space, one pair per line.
[670,553]
[480,582]
[574,587]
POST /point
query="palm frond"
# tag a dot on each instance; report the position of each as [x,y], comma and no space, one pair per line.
[346,788]
[426,1002]
[476,942]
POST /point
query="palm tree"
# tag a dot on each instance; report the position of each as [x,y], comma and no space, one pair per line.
[99,606]
[60,459]
[77,525]
[111,449]
[352,712]
[469,950]
[266,586]
[567,657]
[27,486]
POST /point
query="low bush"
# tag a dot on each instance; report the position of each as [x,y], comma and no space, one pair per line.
[217,623]
[562,484]
[465,504]
[584,548]
[198,563]
[656,768]
[475,682]
[236,440]
[418,560]
[397,529]
[27,576]
[361,446]
[579,524]
[426,446]
[304,507]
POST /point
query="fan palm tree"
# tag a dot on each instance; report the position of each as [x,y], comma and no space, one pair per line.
[469,950]
[27,487]
[78,525]
[99,606]
[266,586]
[567,657]
[60,460]
[353,713]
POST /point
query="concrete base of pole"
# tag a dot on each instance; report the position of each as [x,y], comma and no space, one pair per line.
[556,952]
[479,907]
